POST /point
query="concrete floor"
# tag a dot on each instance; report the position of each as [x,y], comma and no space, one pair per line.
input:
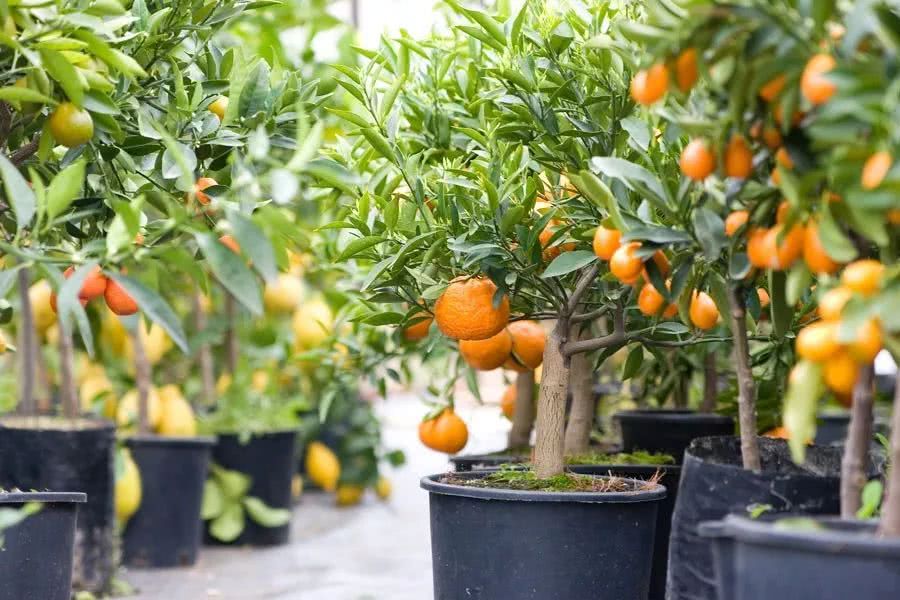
[375,551]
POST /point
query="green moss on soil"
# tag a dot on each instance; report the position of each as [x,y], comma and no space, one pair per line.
[526,480]
[634,458]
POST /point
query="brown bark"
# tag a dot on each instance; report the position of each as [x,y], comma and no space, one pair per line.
[27,346]
[42,384]
[204,354]
[581,415]
[141,379]
[68,395]
[710,383]
[549,459]
[680,392]
[231,343]
[856,448]
[523,416]
[746,387]
[890,509]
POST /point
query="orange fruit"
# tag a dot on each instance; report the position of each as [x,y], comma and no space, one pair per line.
[546,235]
[606,242]
[893,216]
[818,341]
[785,253]
[230,243]
[649,85]
[772,89]
[757,250]
[489,354]
[772,137]
[779,433]
[814,253]
[868,342]
[651,302]
[71,126]
[697,160]
[528,341]
[876,169]
[419,328]
[625,264]
[662,265]
[466,310]
[784,158]
[703,311]
[832,303]
[738,158]
[763,296]
[814,83]
[94,284]
[841,373]
[735,220]
[779,117]
[118,300]
[863,276]
[784,208]
[508,402]
[686,73]
[219,106]
[202,184]
[444,433]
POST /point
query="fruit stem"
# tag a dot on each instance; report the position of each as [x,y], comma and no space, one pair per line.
[204,354]
[523,416]
[549,448]
[231,342]
[710,382]
[746,388]
[141,378]
[27,346]
[67,391]
[890,511]
[581,415]
[856,448]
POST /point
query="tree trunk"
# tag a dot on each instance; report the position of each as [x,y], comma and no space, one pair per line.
[523,416]
[27,347]
[231,344]
[68,395]
[42,384]
[890,510]
[680,393]
[581,415]
[141,379]
[204,354]
[856,448]
[549,458]
[710,383]
[746,388]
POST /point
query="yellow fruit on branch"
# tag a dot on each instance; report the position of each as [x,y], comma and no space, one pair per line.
[322,466]
[39,296]
[71,126]
[177,417]
[127,410]
[93,388]
[284,294]
[349,494]
[312,324]
[383,488]
[128,490]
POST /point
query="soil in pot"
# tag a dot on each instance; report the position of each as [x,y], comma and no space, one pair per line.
[714,484]
[511,456]
[804,557]
[166,531]
[268,459]
[668,431]
[519,544]
[45,453]
[36,552]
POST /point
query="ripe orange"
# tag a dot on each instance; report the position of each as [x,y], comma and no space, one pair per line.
[71,126]
[814,253]
[606,242]
[818,341]
[444,433]
[784,158]
[118,300]
[863,276]
[841,373]
[545,237]
[202,184]
[893,216]
[489,354]
[94,284]
[735,220]
[763,296]
[466,311]
[785,253]
[784,208]
[649,85]
[508,402]
[868,342]
[651,302]
[814,83]
[703,311]
[772,89]
[686,73]
[230,243]
[662,265]
[697,160]
[738,158]
[832,303]
[769,135]
[219,106]
[876,169]
[419,328]
[528,341]
[625,264]
[757,250]
[779,117]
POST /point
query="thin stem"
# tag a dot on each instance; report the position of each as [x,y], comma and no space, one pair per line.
[25,152]
[890,510]
[710,383]
[584,283]
[67,391]
[746,388]
[141,378]
[617,337]
[524,413]
[856,448]
[231,342]
[204,354]
[27,346]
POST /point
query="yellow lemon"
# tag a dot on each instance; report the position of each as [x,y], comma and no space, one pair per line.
[177,415]
[39,296]
[284,294]
[296,487]
[113,335]
[348,494]
[322,466]
[383,488]
[312,324]
[128,489]
[259,380]
[127,409]
[223,383]
[94,387]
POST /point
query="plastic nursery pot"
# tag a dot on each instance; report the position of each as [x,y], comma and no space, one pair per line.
[517,545]
[670,476]
[36,556]
[475,462]
[668,431]
[715,484]
[832,428]
[834,561]
[268,460]
[166,531]
[45,453]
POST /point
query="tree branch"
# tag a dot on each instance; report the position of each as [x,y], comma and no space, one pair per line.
[25,152]
[587,278]
[617,337]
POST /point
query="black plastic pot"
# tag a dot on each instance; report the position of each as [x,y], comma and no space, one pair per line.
[475,462]
[42,453]
[832,428]
[715,484]
[268,459]
[514,545]
[166,531]
[36,554]
[668,431]
[842,559]
[670,476]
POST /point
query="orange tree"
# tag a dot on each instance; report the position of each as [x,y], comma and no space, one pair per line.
[474,124]
[811,99]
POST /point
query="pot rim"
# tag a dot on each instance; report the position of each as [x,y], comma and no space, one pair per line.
[673,416]
[254,434]
[431,484]
[19,497]
[172,441]
[29,423]
[845,535]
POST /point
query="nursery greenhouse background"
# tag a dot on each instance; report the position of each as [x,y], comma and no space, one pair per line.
[494,299]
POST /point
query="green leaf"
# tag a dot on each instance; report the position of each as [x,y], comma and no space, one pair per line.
[836,244]
[782,313]
[64,188]
[61,70]
[872,494]
[153,306]
[632,175]
[254,244]
[232,272]
[213,500]
[800,406]
[379,143]
[234,484]
[568,262]
[633,362]
[359,245]
[349,116]
[18,193]
[599,193]
[658,235]
[710,230]
[264,515]
[228,525]
[22,94]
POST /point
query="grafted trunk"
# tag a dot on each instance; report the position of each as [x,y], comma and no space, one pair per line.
[746,388]
[523,416]
[581,415]
[890,510]
[141,379]
[856,448]
[710,383]
[231,343]
[68,396]
[549,449]
[204,354]
[27,347]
